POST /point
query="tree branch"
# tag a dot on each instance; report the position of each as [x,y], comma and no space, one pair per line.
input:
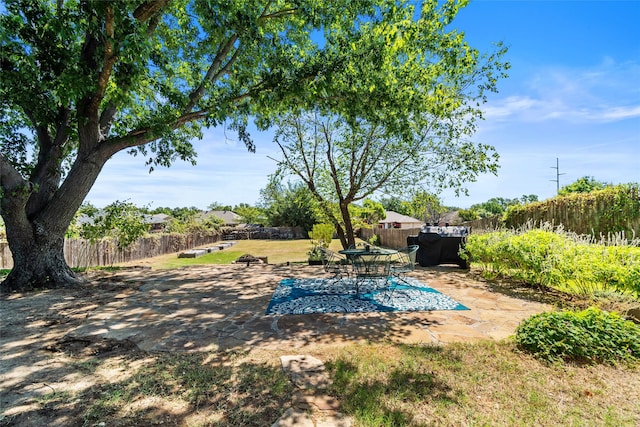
[10,178]
[109,60]
[212,73]
[148,9]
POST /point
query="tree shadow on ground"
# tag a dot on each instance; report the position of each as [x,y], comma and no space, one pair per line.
[53,343]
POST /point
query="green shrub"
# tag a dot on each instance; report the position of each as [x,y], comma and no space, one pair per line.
[320,236]
[561,260]
[591,335]
[374,240]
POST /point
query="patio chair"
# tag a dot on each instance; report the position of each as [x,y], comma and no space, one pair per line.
[403,263]
[335,264]
[370,268]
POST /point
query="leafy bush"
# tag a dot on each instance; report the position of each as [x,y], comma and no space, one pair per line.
[374,240]
[591,335]
[557,259]
[320,236]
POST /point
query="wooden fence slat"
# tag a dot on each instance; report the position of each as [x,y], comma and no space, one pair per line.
[81,253]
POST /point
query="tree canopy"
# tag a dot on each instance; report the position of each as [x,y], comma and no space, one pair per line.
[83,80]
[586,184]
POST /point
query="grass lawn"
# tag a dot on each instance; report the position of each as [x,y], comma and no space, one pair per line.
[378,385]
[481,384]
[277,252]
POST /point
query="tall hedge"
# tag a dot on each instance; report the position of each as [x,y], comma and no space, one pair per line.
[601,212]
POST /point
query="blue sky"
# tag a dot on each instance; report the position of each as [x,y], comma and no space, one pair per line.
[573,93]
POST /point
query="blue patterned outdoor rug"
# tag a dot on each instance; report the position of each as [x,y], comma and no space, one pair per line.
[306,296]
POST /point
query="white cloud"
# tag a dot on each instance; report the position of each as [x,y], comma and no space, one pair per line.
[606,93]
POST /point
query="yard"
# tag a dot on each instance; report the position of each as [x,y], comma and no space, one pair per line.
[381,374]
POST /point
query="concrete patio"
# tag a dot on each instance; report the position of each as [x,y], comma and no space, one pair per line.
[217,308]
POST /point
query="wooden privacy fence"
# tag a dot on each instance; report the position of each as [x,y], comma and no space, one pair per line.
[81,253]
[390,237]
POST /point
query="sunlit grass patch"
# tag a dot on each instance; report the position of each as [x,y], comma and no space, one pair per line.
[276,251]
[486,383]
[229,389]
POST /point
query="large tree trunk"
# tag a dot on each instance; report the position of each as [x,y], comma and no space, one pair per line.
[38,263]
[35,232]
[348,226]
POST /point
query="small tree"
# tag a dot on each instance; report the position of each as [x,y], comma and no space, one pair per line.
[321,236]
[122,221]
[343,162]
[426,206]
[249,214]
[586,184]
[215,206]
[290,205]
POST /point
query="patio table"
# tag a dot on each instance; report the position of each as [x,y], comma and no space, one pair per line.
[369,263]
[367,251]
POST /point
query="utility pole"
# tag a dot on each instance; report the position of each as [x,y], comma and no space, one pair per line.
[557,180]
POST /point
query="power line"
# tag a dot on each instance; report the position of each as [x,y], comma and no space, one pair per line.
[557,180]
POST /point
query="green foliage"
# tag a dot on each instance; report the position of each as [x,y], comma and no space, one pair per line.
[405,111]
[215,206]
[366,215]
[426,206]
[187,220]
[395,204]
[321,236]
[344,162]
[122,221]
[468,214]
[557,259]
[591,335]
[598,212]
[292,205]
[498,205]
[586,184]
[75,228]
[250,214]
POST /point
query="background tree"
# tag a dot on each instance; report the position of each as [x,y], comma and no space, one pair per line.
[250,214]
[342,163]
[425,85]
[290,205]
[85,210]
[586,184]
[494,206]
[396,204]
[468,214]
[215,206]
[83,80]
[528,198]
[371,212]
[426,206]
[122,221]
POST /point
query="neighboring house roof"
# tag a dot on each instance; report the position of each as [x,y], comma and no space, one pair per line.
[157,218]
[229,217]
[395,217]
[149,219]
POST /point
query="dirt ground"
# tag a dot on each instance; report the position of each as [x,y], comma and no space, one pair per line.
[48,338]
